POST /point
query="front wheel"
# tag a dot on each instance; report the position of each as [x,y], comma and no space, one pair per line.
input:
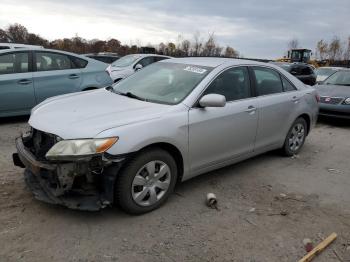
[295,138]
[146,181]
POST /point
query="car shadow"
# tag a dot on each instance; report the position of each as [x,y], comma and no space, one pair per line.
[14,119]
[338,122]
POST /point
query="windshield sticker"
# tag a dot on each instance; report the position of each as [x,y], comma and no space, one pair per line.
[194,69]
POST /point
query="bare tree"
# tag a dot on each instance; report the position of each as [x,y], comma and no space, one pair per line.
[347,50]
[322,49]
[185,47]
[335,49]
[197,45]
[293,44]
[230,52]
[209,46]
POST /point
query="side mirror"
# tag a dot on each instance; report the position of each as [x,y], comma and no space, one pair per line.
[212,100]
[138,67]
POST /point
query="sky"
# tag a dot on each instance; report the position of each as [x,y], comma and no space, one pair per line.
[256,28]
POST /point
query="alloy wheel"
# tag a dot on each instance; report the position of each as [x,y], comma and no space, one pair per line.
[296,137]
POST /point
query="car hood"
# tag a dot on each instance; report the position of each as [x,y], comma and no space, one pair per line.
[333,90]
[86,114]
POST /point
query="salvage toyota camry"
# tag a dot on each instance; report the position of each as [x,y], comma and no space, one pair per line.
[129,144]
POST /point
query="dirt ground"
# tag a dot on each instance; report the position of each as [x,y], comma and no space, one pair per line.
[312,190]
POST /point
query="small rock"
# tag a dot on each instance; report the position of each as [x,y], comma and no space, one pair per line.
[284,213]
[283,195]
[252,210]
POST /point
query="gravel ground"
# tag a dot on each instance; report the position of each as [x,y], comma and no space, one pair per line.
[310,190]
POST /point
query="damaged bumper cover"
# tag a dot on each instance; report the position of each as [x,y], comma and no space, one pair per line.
[84,184]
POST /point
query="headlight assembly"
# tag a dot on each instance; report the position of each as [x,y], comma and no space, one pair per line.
[347,101]
[80,147]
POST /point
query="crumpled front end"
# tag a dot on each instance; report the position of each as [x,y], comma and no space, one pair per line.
[85,183]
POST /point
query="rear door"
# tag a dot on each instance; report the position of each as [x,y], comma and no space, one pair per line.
[277,98]
[219,134]
[55,74]
[16,83]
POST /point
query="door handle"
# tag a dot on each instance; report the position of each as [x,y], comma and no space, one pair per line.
[250,109]
[24,81]
[295,99]
[73,76]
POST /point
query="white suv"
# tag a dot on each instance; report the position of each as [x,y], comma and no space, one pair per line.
[16,46]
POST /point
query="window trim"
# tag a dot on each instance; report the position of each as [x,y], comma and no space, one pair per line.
[35,69]
[30,60]
[284,90]
[252,93]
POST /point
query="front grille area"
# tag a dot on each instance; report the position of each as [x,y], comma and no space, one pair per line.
[331,100]
[40,143]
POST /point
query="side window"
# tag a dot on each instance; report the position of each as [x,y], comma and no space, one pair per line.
[267,81]
[160,58]
[287,86]
[14,63]
[146,61]
[233,84]
[47,61]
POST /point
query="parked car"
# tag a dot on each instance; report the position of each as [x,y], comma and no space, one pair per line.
[176,119]
[304,72]
[335,95]
[323,73]
[29,76]
[107,58]
[17,46]
[129,64]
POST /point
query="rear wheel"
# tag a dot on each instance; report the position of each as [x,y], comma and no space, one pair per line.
[146,181]
[295,138]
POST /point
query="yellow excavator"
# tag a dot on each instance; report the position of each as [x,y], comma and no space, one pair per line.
[299,55]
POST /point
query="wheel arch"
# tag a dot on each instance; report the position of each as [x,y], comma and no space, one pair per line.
[174,152]
[307,118]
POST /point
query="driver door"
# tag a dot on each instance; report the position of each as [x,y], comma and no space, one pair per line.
[220,134]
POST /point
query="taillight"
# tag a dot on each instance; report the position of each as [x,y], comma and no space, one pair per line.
[317,98]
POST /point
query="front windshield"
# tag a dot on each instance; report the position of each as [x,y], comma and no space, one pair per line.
[341,78]
[125,61]
[165,83]
[325,72]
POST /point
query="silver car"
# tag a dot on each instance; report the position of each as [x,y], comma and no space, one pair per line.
[129,64]
[131,143]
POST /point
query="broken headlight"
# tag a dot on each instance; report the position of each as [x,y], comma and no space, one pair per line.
[80,147]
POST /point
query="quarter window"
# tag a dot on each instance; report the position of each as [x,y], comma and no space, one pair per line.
[287,86]
[52,61]
[233,84]
[146,61]
[267,81]
[14,63]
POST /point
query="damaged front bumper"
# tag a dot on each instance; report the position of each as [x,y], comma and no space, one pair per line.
[84,184]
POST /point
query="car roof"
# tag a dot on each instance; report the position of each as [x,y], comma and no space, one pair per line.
[39,50]
[212,61]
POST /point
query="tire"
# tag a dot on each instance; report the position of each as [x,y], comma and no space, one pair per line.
[146,181]
[295,138]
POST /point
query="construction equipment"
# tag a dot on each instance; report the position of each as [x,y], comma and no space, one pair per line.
[300,55]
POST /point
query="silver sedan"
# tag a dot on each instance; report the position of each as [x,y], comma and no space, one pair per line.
[131,143]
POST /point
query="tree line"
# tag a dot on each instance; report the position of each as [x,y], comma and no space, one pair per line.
[198,46]
[335,49]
